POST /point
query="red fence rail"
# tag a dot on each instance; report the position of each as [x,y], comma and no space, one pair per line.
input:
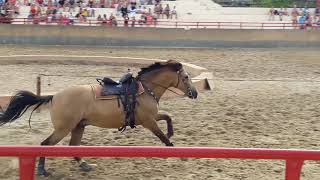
[27,155]
[171,24]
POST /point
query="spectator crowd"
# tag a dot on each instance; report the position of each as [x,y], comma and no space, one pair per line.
[301,18]
[66,12]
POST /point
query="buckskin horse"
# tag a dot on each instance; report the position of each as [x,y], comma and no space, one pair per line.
[76,107]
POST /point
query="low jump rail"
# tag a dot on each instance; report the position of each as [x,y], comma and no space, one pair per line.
[27,155]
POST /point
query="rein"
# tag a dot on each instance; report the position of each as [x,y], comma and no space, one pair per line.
[159,85]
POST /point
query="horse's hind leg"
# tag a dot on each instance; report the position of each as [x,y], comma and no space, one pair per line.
[168,119]
[76,136]
[53,139]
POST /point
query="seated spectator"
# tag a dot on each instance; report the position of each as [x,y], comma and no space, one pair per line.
[149,2]
[124,10]
[280,13]
[99,19]
[271,14]
[156,11]
[133,12]
[133,3]
[113,20]
[92,13]
[305,11]
[40,2]
[61,3]
[104,19]
[33,11]
[60,19]
[85,13]
[126,21]
[102,4]
[71,19]
[91,3]
[160,11]
[149,19]
[133,21]
[142,20]
[308,21]
[174,12]
[167,11]
[55,3]
[302,21]
[16,8]
[66,20]
[317,12]
[285,12]
[295,11]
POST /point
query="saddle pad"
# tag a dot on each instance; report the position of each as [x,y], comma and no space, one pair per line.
[96,90]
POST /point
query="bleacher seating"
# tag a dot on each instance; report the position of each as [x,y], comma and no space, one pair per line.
[193,10]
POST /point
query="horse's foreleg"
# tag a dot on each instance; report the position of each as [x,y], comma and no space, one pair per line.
[53,139]
[154,128]
[168,119]
[76,136]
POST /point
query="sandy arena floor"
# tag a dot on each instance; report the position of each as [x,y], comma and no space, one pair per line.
[275,105]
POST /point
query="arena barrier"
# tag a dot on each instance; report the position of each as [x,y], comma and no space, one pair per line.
[27,155]
[173,24]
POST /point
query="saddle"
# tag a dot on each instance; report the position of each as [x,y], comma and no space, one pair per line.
[127,89]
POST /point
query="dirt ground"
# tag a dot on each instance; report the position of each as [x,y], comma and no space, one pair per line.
[263,98]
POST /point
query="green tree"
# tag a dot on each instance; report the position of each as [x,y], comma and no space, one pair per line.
[275,3]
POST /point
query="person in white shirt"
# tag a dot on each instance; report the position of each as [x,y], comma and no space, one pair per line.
[174,12]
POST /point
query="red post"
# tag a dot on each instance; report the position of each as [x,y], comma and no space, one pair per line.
[27,166]
[293,169]
[318,3]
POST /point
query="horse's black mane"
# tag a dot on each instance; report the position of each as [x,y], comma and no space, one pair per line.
[171,63]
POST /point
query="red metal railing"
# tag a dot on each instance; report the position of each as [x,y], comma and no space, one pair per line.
[27,155]
[173,24]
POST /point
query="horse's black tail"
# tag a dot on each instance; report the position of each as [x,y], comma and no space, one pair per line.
[19,104]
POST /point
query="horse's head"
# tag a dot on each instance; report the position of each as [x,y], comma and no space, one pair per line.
[168,74]
[183,81]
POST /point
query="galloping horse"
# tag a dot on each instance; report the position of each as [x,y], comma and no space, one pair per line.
[76,107]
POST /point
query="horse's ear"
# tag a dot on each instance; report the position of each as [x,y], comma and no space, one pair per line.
[177,66]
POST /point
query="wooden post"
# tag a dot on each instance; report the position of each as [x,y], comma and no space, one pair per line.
[38,88]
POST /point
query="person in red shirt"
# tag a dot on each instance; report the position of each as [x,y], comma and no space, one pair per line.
[33,11]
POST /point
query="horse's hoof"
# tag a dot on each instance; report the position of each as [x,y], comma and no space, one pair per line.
[42,172]
[171,144]
[85,167]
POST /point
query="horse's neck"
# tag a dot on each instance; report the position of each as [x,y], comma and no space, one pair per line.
[158,83]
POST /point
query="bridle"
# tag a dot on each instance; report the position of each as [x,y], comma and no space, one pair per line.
[151,92]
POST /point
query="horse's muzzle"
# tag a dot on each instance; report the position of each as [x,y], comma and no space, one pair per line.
[192,93]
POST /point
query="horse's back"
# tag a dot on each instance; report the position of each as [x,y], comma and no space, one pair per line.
[69,105]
